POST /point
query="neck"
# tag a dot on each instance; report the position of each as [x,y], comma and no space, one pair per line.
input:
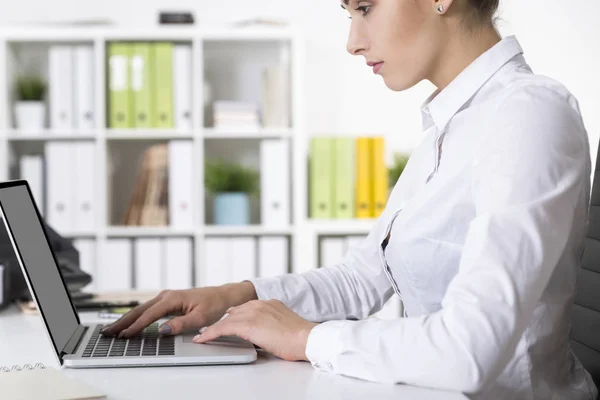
[460,52]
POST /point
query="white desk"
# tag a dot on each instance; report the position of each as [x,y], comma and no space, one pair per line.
[23,341]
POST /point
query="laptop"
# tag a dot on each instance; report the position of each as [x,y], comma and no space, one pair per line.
[79,345]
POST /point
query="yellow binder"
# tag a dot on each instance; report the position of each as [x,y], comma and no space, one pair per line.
[141,84]
[163,85]
[364,192]
[380,176]
[119,101]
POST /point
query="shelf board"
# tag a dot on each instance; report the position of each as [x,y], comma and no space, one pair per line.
[146,231]
[46,135]
[78,234]
[341,227]
[263,133]
[147,134]
[246,230]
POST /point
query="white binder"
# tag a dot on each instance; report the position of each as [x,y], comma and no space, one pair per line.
[332,251]
[61,87]
[115,269]
[32,170]
[87,260]
[243,258]
[82,174]
[84,88]
[182,86]
[217,262]
[178,263]
[275,182]
[273,256]
[60,186]
[180,184]
[148,260]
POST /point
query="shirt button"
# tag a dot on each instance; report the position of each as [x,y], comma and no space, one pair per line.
[329,366]
[316,365]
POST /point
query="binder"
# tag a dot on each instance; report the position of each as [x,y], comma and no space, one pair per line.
[83,178]
[84,116]
[60,71]
[380,176]
[364,190]
[182,87]
[162,114]
[87,260]
[273,256]
[181,213]
[332,251]
[216,261]
[141,85]
[243,258]
[321,177]
[275,182]
[344,170]
[119,99]
[178,263]
[115,270]
[148,261]
[32,170]
[60,185]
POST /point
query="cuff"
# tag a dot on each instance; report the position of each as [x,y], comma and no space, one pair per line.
[324,345]
[266,288]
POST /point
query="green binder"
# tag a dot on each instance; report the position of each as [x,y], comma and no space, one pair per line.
[141,84]
[119,102]
[163,85]
[321,174]
[344,168]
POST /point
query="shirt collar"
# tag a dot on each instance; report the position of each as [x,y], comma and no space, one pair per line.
[441,106]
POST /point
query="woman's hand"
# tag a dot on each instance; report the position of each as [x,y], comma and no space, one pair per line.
[197,307]
[268,324]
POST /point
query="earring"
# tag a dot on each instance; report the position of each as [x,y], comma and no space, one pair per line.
[440,8]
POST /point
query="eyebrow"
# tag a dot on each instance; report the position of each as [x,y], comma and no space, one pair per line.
[346,3]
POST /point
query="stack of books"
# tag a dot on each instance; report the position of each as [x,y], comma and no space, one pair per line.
[236,114]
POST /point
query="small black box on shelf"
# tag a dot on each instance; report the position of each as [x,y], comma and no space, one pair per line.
[175,17]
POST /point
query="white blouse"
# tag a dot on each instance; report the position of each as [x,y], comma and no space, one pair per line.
[486,227]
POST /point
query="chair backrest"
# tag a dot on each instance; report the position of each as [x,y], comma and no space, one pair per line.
[585,328]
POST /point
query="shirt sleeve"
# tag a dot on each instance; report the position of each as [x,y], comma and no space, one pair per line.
[353,289]
[529,178]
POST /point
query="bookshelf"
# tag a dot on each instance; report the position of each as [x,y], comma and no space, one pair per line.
[210,46]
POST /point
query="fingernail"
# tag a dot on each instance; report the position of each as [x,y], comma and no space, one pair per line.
[165,329]
[203,329]
[197,337]
[121,334]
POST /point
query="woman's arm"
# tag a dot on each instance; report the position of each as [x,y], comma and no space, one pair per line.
[530,182]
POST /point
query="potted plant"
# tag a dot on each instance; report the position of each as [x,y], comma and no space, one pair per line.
[232,185]
[30,113]
[400,161]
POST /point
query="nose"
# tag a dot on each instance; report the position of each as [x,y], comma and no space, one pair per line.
[357,41]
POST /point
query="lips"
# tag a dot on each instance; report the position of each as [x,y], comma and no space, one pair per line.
[377,66]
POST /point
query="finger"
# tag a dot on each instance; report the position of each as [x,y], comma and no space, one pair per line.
[151,315]
[126,320]
[225,327]
[178,325]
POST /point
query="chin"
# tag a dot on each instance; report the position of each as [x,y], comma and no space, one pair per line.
[398,84]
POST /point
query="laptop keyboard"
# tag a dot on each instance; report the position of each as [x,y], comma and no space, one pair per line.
[146,343]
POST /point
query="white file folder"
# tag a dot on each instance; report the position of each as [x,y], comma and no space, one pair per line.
[332,251]
[84,88]
[82,174]
[275,182]
[182,87]
[60,88]
[273,256]
[243,258]
[178,263]
[148,260]
[32,170]
[60,186]
[115,270]
[217,262]
[180,184]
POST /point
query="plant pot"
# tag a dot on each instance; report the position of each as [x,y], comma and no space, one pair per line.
[232,209]
[30,115]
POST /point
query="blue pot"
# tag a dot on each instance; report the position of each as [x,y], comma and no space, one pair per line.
[232,209]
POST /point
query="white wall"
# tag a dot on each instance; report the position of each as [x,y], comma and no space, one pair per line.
[559,37]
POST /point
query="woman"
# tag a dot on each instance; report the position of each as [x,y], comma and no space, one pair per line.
[481,236]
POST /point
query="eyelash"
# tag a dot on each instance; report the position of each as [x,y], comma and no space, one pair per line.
[363,9]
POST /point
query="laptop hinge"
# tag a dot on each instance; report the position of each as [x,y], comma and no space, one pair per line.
[74,341]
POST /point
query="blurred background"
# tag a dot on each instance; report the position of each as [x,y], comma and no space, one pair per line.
[247,143]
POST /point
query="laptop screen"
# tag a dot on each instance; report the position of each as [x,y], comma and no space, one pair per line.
[31,244]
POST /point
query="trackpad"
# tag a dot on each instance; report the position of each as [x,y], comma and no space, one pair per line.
[188,338]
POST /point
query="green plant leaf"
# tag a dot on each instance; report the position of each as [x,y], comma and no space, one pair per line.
[400,161]
[225,177]
[30,88]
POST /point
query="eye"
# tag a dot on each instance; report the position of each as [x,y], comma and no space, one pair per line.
[363,9]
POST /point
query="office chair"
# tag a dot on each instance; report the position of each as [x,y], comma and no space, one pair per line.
[585,328]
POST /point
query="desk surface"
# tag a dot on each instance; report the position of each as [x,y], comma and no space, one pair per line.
[23,341]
